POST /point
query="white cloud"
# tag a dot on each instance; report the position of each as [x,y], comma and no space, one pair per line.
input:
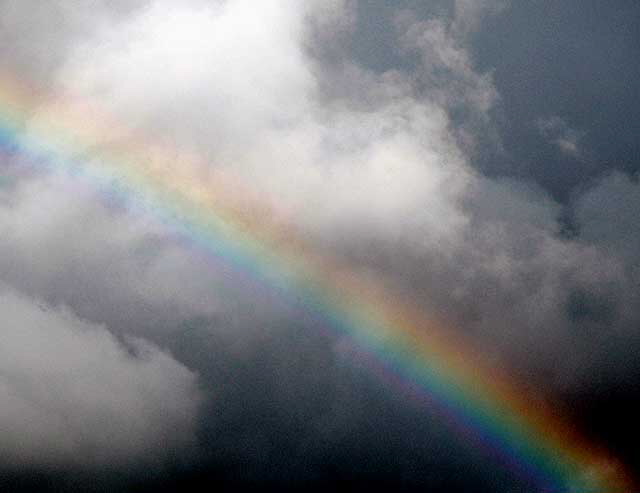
[252,103]
[223,70]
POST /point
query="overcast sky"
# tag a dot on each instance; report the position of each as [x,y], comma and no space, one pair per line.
[480,157]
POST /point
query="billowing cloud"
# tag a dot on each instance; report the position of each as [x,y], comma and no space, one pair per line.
[261,111]
[74,396]
[79,249]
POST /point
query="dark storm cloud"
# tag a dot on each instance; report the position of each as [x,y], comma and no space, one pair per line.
[568,60]
[573,60]
[399,138]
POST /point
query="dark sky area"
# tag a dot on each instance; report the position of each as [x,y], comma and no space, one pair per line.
[478,158]
[571,60]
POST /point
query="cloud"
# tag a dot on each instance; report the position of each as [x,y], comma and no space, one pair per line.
[258,105]
[251,72]
[606,215]
[375,168]
[65,242]
[35,37]
[469,14]
[368,166]
[74,396]
[559,133]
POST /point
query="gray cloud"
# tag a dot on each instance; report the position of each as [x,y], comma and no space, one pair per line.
[607,215]
[558,132]
[74,396]
[469,14]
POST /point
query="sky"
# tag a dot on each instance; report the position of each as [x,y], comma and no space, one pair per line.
[473,160]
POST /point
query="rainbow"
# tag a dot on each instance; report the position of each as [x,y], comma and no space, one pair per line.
[220,214]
